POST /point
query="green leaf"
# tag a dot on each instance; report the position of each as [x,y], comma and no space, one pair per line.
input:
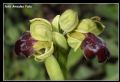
[32,12]
[83,72]
[21,27]
[112,72]
[109,11]
[112,47]
[11,35]
[29,68]
[74,57]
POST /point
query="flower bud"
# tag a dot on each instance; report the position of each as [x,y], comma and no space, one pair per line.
[90,25]
[93,46]
[68,20]
[41,29]
[60,40]
[75,39]
[24,45]
[55,23]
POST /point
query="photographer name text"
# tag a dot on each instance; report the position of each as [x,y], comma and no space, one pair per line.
[18,6]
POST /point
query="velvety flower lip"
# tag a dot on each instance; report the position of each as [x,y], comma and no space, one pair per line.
[23,46]
[93,46]
[102,57]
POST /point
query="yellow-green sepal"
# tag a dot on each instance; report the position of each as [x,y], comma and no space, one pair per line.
[60,40]
[41,29]
[55,23]
[89,25]
[68,20]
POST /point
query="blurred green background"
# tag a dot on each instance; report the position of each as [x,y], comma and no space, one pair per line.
[16,21]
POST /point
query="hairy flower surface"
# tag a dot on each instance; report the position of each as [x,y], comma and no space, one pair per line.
[93,46]
[24,45]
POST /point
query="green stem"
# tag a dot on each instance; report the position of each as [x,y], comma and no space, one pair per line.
[53,68]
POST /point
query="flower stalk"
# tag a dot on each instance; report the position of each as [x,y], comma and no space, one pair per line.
[53,68]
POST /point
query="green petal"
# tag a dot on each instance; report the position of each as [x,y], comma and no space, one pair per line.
[60,40]
[41,44]
[75,39]
[48,52]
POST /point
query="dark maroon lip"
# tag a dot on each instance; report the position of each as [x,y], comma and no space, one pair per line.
[23,46]
[93,46]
